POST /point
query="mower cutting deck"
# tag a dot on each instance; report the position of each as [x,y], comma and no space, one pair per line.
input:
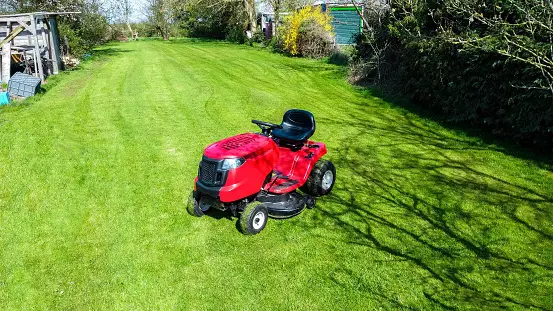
[256,175]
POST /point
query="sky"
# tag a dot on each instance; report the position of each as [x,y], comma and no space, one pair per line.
[138,10]
[140,5]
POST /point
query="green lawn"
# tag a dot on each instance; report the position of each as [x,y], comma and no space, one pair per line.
[95,174]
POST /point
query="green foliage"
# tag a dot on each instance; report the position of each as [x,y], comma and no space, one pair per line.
[258,36]
[340,57]
[225,20]
[470,85]
[144,29]
[84,32]
[471,62]
[161,14]
[236,35]
[276,44]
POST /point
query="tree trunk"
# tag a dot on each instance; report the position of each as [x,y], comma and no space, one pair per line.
[252,18]
[165,33]
[130,30]
[277,17]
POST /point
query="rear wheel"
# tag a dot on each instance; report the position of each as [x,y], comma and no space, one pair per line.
[321,180]
[254,218]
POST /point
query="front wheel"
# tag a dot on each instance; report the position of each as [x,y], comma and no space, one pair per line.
[194,207]
[321,180]
[254,218]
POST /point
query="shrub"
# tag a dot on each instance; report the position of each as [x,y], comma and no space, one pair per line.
[340,56]
[475,68]
[225,21]
[258,37]
[236,35]
[307,32]
[276,44]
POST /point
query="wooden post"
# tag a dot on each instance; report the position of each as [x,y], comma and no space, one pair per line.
[46,43]
[35,63]
[6,57]
[38,59]
[43,33]
[55,45]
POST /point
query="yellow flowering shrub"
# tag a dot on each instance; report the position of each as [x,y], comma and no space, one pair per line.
[308,19]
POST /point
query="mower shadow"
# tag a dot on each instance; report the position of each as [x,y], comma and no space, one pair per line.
[474,233]
[218,214]
[226,215]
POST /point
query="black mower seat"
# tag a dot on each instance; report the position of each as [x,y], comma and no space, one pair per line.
[297,126]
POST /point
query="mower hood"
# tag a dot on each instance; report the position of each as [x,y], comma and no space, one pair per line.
[239,146]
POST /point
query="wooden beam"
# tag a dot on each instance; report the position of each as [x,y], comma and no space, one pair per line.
[6,58]
[54,41]
[43,32]
[48,44]
[37,49]
[45,44]
[14,20]
[12,35]
[27,27]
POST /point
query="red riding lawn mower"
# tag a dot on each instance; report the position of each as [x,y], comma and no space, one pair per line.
[255,175]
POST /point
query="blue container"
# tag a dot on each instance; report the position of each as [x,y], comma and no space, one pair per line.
[23,85]
[4,98]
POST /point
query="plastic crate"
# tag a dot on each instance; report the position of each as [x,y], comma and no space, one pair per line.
[23,85]
[4,98]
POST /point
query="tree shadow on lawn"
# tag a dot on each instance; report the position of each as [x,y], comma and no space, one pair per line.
[466,218]
[106,52]
[537,154]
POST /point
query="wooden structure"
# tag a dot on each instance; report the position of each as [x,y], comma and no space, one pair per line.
[30,35]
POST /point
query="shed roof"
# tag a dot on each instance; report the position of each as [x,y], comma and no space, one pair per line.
[38,13]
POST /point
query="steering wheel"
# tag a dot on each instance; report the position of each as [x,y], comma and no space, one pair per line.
[266,127]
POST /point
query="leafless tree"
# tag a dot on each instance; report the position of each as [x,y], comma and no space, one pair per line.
[372,13]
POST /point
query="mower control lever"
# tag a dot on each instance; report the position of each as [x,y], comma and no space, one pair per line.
[266,127]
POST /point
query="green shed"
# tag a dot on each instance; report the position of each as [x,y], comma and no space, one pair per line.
[345,22]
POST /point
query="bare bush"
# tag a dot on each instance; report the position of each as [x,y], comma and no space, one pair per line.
[314,41]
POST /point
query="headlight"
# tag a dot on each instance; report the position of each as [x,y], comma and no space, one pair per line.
[229,164]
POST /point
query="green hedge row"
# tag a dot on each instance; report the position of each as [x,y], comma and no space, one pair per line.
[449,55]
[482,88]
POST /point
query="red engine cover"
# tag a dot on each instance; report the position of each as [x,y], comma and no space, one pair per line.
[239,146]
[261,154]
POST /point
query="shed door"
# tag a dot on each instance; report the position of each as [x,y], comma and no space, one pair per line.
[346,23]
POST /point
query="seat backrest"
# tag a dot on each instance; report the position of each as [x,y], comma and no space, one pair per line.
[299,119]
[297,127]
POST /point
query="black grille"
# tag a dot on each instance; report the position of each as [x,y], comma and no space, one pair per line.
[208,172]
